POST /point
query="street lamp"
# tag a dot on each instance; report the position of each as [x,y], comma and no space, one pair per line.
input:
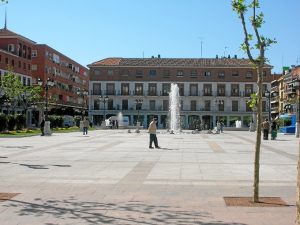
[104,99]
[138,103]
[49,83]
[268,95]
[82,93]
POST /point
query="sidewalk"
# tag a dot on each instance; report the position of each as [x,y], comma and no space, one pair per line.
[112,177]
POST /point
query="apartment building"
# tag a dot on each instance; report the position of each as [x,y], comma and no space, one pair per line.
[15,54]
[210,89]
[69,77]
[31,61]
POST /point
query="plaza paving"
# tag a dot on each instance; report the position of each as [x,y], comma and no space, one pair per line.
[112,177]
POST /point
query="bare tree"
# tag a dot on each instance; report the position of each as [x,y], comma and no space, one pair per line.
[254,44]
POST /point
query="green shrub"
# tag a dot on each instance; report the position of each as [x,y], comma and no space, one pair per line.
[3,122]
[77,120]
[56,121]
[20,121]
[11,122]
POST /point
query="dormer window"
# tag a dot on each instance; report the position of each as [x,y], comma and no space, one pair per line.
[11,48]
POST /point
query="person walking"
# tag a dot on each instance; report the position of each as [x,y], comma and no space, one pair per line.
[42,126]
[266,127]
[85,126]
[152,132]
[273,130]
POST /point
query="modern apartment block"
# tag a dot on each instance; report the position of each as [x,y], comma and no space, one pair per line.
[210,89]
[15,54]
[31,61]
[69,77]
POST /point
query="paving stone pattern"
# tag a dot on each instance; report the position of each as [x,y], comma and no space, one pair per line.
[112,177]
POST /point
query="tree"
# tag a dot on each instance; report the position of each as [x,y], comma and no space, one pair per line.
[12,88]
[257,44]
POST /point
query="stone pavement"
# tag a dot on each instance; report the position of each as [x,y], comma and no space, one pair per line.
[111,177]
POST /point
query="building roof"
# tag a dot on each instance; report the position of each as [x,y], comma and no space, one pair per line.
[174,62]
[9,34]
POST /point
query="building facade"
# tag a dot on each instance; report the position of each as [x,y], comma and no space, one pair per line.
[210,90]
[69,78]
[31,61]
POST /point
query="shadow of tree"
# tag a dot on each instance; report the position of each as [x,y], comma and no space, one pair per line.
[92,212]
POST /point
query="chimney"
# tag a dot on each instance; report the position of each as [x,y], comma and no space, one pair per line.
[235,56]
[217,56]
[158,56]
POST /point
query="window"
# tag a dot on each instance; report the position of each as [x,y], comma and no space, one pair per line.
[24,66]
[20,64]
[264,73]
[179,73]
[96,88]
[235,90]
[248,90]
[24,80]
[125,73]
[110,72]
[152,104]
[11,48]
[6,61]
[221,75]
[96,105]
[193,74]
[207,89]
[181,89]
[235,73]
[28,82]
[34,67]
[264,106]
[125,104]
[166,74]
[207,73]
[207,105]
[110,89]
[13,63]
[138,89]
[221,89]
[165,105]
[166,89]
[193,105]
[152,73]
[124,89]
[152,89]
[249,74]
[139,73]
[193,90]
[97,72]
[248,109]
[221,105]
[235,106]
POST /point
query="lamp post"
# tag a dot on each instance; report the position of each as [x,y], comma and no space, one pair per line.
[104,99]
[82,93]
[49,83]
[268,95]
[138,103]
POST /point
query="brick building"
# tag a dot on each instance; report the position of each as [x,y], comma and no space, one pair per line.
[211,89]
[31,61]
[68,75]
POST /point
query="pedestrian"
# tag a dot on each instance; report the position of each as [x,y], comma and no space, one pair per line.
[152,132]
[273,130]
[222,125]
[117,124]
[42,126]
[266,127]
[85,126]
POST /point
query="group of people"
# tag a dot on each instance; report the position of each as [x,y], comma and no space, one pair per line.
[266,128]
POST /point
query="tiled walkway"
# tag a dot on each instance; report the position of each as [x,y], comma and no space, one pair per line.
[111,177]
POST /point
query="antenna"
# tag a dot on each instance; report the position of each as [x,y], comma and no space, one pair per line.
[5,21]
[201,42]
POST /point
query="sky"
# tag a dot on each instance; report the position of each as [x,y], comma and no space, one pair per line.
[91,30]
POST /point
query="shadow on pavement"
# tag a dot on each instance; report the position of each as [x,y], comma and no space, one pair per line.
[92,212]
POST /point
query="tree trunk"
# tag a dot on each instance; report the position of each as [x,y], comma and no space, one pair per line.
[298,187]
[258,136]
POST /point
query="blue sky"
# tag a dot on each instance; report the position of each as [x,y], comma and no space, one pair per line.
[90,30]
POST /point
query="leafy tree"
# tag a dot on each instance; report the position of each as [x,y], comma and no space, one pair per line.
[254,44]
[12,88]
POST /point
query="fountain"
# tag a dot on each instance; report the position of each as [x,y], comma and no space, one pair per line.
[120,119]
[174,107]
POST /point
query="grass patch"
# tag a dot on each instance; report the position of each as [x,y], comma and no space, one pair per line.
[31,132]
